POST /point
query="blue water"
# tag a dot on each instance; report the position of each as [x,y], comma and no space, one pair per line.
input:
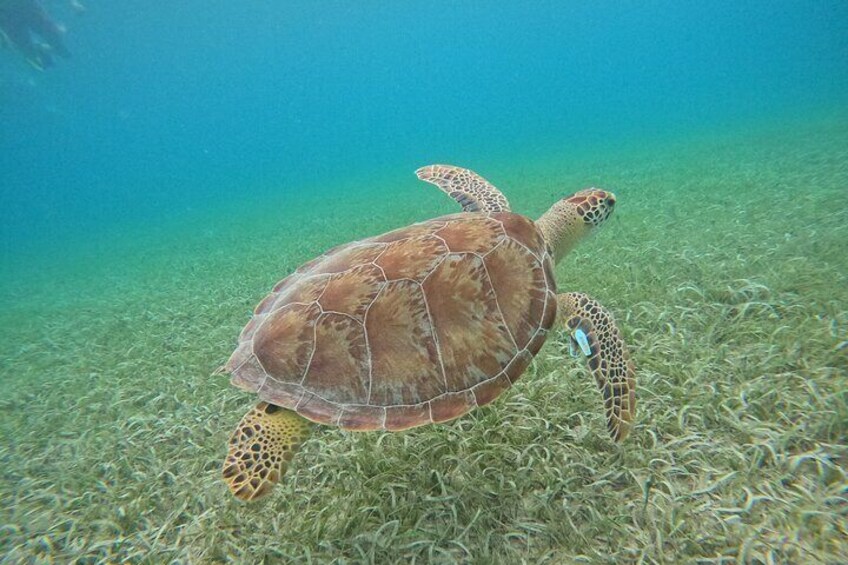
[164,110]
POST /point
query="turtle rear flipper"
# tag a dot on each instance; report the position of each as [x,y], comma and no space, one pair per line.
[592,332]
[260,449]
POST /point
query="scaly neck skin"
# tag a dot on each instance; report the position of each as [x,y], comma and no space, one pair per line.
[562,227]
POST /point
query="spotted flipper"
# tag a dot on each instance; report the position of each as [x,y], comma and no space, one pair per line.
[473,192]
[593,334]
[261,447]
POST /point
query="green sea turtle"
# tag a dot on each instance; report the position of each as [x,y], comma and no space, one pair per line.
[419,326]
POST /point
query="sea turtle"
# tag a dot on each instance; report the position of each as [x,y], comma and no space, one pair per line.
[419,326]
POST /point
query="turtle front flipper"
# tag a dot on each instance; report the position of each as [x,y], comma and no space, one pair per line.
[592,333]
[261,447]
[470,190]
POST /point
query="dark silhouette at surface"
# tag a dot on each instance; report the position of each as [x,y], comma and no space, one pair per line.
[26,26]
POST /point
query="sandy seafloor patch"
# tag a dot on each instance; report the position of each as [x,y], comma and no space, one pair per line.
[726,265]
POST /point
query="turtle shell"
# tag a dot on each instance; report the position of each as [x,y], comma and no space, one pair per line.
[415,326]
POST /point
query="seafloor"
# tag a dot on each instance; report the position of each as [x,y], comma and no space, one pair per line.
[726,264]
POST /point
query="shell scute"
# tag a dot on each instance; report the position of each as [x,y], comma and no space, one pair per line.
[247,373]
[346,257]
[353,291]
[518,365]
[339,367]
[489,390]
[471,235]
[304,291]
[281,393]
[451,405]
[318,409]
[415,230]
[472,336]
[521,289]
[285,341]
[412,258]
[404,417]
[405,364]
[522,230]
[362,418]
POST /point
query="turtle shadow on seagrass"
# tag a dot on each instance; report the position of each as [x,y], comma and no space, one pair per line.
[419,326]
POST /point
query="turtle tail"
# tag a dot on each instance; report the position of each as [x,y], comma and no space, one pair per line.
[260,449]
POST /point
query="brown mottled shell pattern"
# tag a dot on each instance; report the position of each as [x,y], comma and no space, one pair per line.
[416,326]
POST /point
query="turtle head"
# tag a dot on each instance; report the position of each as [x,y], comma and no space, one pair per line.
[575,217]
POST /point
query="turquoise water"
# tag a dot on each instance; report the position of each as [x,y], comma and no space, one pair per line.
[165,111]
[157,184]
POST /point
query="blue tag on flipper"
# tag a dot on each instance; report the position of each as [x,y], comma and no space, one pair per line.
[583,342]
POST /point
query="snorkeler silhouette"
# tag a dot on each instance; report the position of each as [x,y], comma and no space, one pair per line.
[21,21]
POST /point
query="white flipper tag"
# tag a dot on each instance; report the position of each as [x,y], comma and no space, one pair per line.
[580,338]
